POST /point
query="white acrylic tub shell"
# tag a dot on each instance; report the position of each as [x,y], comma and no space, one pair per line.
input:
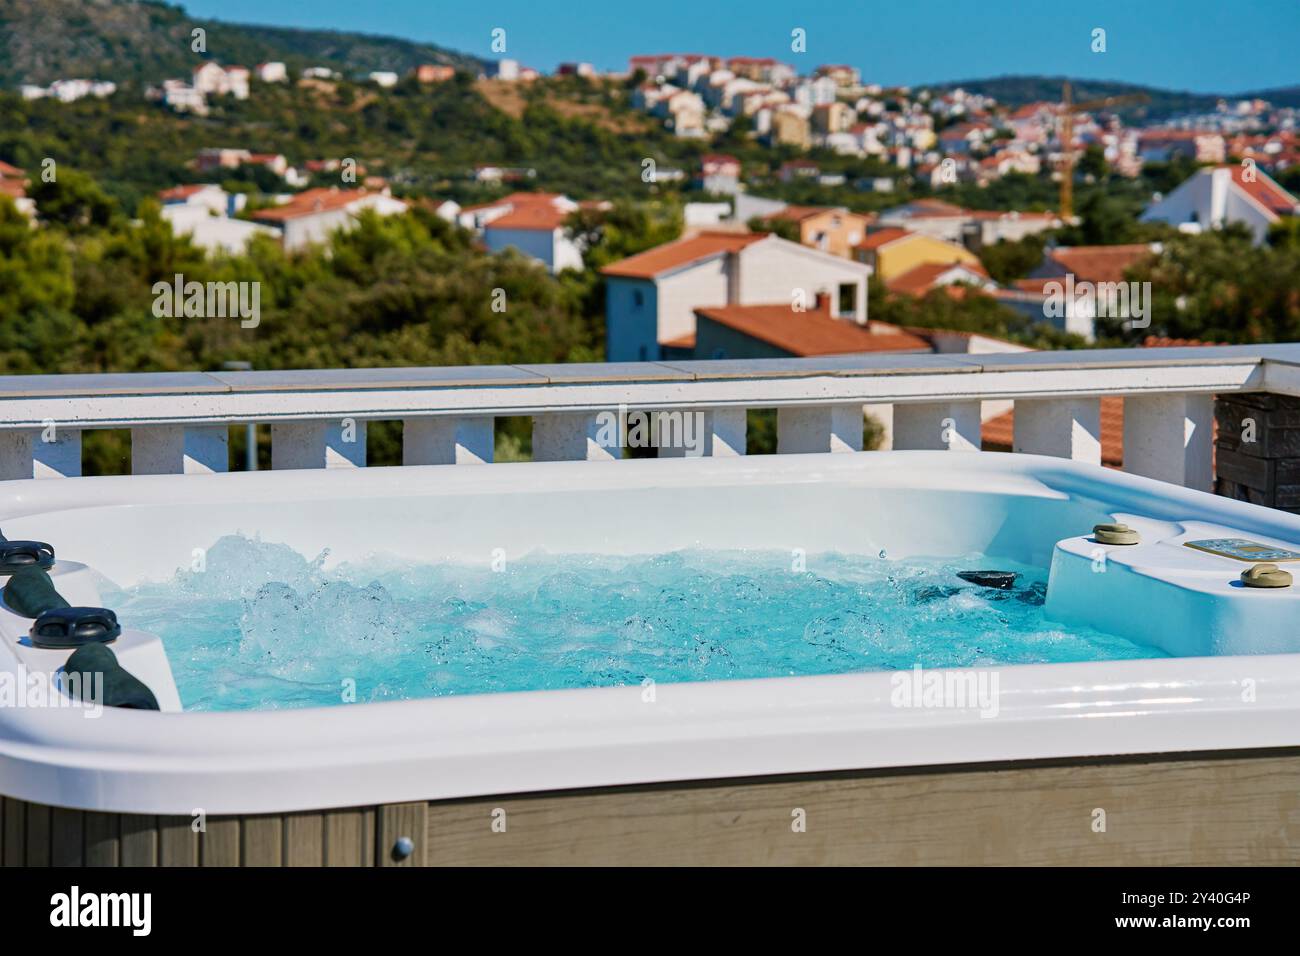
[1027,508]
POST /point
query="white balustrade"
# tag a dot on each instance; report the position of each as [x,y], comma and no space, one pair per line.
[804,429]
[179,449]
[704,433]
[448,441]
[1064,427]
[1170,438]
[937,426]
[179,422]
[319,444]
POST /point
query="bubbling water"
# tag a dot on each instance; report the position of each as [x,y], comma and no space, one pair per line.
[263,627]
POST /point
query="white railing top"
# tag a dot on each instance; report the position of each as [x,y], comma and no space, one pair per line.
[126,400]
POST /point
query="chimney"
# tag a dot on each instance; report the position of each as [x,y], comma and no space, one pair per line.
[1220,183]
[823,301]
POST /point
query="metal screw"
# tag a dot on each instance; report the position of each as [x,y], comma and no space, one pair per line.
[403,848]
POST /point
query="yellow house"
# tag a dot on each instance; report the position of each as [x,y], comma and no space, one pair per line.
[892,252]
[830,229]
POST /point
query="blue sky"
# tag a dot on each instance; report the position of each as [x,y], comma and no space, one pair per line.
[1201,45]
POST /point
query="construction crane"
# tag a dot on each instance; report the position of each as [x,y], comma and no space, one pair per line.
[1068,111]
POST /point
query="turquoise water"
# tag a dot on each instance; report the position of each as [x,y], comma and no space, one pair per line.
[263,627]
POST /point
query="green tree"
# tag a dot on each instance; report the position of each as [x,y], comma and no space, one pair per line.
[73,200]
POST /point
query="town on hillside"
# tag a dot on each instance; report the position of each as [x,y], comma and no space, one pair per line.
[777,213]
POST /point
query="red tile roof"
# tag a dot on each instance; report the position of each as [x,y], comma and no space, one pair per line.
[1266,192]
[181,192]
[514,199]
[810,333]
[681,342]
[311,202]
[535,216]
[882,237]
[10,172]
[1099,263]
[682,252]
[13,188]
[921,279]
[800,213]
[1161,342]
[1009,214]
[934,209]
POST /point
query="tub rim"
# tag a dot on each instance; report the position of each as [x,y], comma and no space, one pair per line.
[374,753]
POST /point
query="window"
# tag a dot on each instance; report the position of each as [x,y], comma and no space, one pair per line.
[848,299]
[638,298]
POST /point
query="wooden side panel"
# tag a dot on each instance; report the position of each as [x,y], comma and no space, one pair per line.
[138,841]
[304,839]
[263,841]
[349,838]
[101,838]
[67,837]
[11,832]
[1213,812]
[219,843]
[397,820]
[38,835]
[178,842]
[1208,811]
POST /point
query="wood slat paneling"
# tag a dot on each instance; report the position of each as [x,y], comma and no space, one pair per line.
[67,837]
[38,835]
[178,842]
[304,839]
[138,841]
[101,838]
[1213,812]
[219,844]
[1208,811]
[403,820]
[263,841]
[345,842]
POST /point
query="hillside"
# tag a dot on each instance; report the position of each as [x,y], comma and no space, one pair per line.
[43,40]
[1018,90]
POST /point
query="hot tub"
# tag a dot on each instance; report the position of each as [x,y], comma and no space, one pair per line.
[1101,760]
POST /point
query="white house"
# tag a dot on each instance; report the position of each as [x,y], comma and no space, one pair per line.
[383,78]
[272,72]
[447,210]
[312,215]
[1213,197]
[212,79]
[212,232]
[207,196]
[651,298]
[533,223]
[184,98]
